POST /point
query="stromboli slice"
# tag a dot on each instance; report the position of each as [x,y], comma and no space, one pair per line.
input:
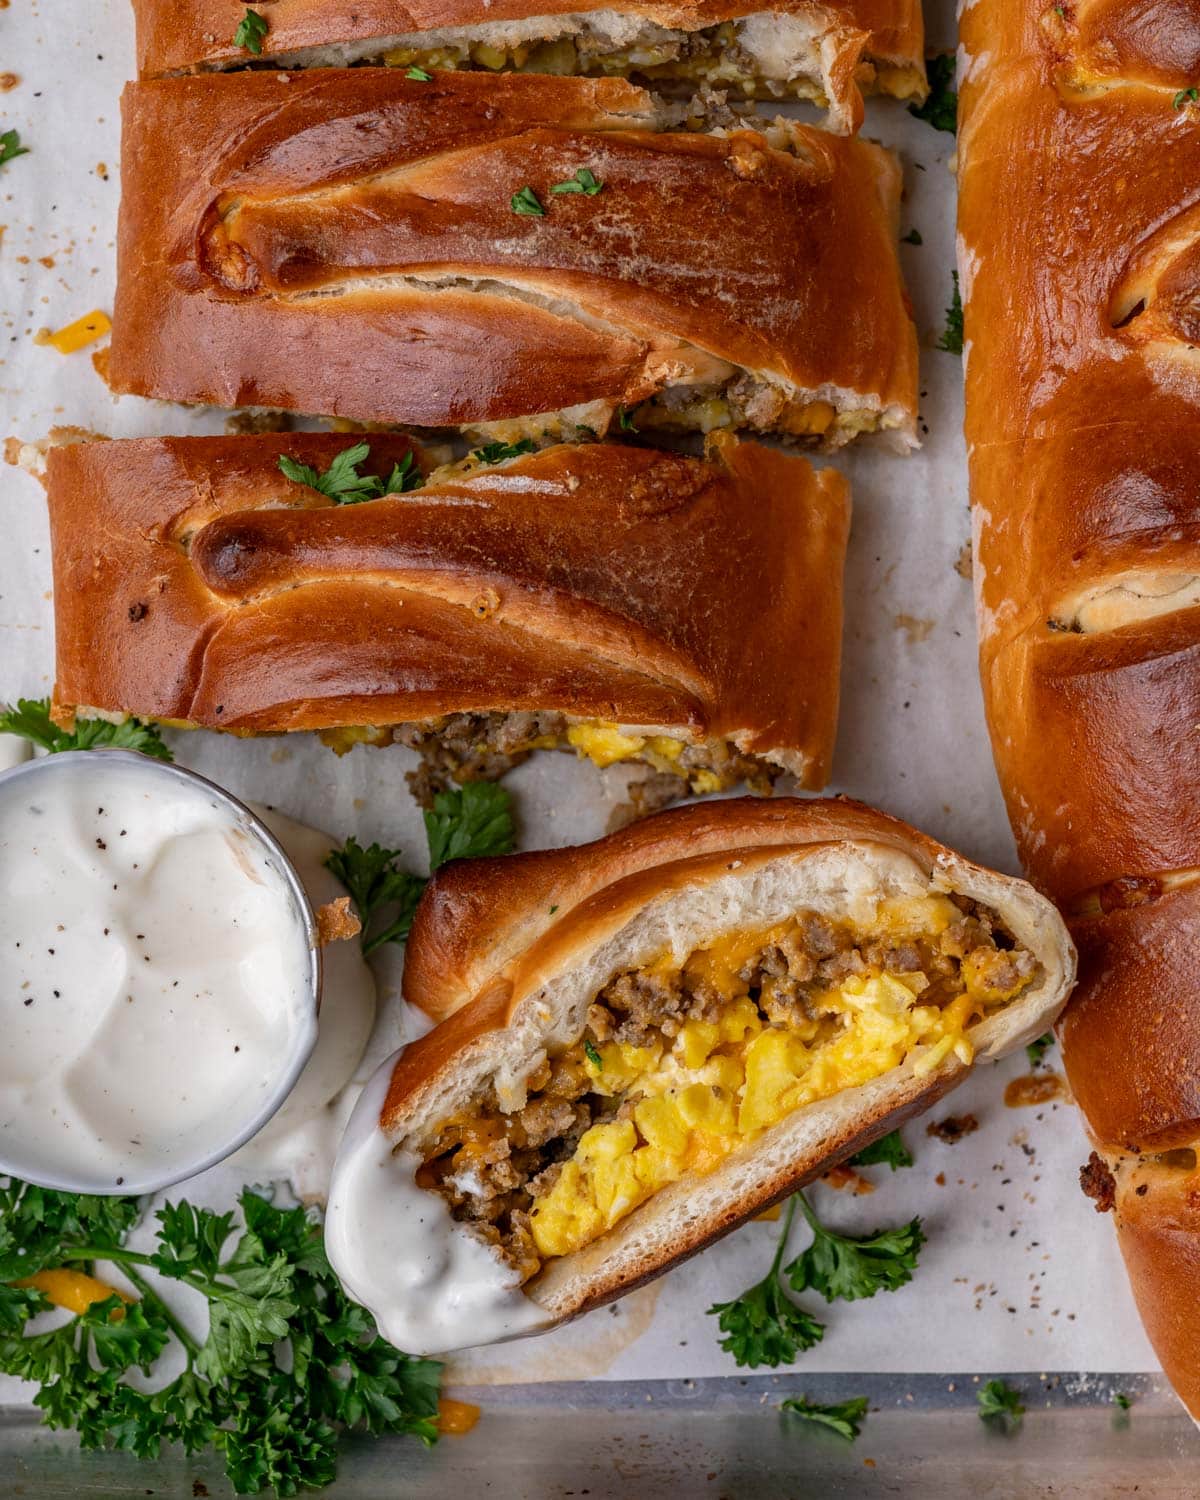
[652,1037]
[1080,255]
[344,242]
[475,618]
[794,48]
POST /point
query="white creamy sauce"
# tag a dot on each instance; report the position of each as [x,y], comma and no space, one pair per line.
[154,975]
[14,750]
[301,1141]
[429,1283]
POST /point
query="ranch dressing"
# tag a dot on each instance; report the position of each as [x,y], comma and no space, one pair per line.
[301,1140]
[157,991]
[430,1285]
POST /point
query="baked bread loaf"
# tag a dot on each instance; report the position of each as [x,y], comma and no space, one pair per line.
[652,1037]
[474,619]
[345,242]
[830,52]
[1078,153]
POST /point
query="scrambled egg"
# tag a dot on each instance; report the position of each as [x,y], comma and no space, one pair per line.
[719,1084]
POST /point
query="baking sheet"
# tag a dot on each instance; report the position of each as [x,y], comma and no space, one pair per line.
[1016,1266]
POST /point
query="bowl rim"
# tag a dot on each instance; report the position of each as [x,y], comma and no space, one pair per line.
[71,762]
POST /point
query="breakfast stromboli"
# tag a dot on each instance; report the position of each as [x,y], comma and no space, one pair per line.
[831,52]
[475,619]
[414,236]
[650,1038]
[1079,157]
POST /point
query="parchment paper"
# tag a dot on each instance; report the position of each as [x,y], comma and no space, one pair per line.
[1017,1274]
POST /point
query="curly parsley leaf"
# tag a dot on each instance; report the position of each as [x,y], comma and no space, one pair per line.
[764,1326]
[584,181]
[496,453]
[889,1150]
[952,335]
[845,1417]
[375,881]
[1036,1051]
[1000,1404]
[850,1267]
[941,108]
[269,1287]
[1183,98]
[30,719]
[344,485]
[472,821]
[11,147]
[252,28]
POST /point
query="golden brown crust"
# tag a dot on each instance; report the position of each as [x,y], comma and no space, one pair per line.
[171,38]
[1158,1228]
[1121,1010]
[484,927]
[1080,237]
[194,582]
[265,214]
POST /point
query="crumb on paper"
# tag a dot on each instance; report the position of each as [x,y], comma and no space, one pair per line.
[962,563]
[915,629]
[846,1179]
[952,1129]
[1035,1088]
[336,922]
[1098,1183]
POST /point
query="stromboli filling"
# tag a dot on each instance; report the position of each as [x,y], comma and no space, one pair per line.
[764,55]
[484,746]
[680,1064]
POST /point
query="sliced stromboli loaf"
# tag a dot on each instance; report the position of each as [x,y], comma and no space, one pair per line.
[627,602]
[1080,254]
[831,52]
[344,242]
[711,1008]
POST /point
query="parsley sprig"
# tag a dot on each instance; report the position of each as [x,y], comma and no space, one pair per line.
[850,1267]
[31,720]
[764,1326]
[286,1364]
[888,1150]
[1000,1404]
[10,146]
[496,453]
[1036,1051]
[952,335]
[475,819]
[941,107]
[344,485]
[845,1417]
[250,32]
